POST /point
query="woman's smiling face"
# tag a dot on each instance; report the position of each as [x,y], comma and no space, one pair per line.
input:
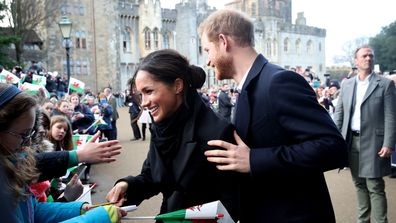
[159,98]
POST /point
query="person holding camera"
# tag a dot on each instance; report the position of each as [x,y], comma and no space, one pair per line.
[225,104]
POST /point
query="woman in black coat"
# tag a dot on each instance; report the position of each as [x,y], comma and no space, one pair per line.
[182,125]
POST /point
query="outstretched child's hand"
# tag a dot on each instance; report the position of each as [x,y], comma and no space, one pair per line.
[101,152]
[73,189]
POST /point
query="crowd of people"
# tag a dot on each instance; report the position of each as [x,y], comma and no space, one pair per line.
[263,144]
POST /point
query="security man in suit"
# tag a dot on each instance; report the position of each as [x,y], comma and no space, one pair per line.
[365,114]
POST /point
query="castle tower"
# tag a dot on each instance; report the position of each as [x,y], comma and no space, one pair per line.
[186,31]
[150,26]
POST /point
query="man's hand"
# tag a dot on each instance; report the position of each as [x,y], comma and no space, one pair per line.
[234,157]
[385,152]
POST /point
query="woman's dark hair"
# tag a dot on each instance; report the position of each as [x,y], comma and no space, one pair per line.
[167,65]
[25,173]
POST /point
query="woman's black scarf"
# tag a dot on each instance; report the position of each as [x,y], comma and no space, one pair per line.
[167,135]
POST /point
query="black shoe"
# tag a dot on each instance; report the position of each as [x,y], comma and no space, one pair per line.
[134,139]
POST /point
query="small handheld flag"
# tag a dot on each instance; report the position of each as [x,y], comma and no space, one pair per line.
[213,212]
[76,85]
[97,123]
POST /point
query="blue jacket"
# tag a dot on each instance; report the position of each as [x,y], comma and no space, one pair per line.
[107,114]
[30,211]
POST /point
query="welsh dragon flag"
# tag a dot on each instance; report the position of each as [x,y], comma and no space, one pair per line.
[99,121]
[79,140]
[76,85]
[206,213]
[8,77]
[39,80]
[32,89]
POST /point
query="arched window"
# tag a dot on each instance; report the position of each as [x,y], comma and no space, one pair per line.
[78,40]
[81,8]
[166,40]
[286,45]
[298,46]
[83,40]
[269,47]
[76,7]
[309,47]
[253,9]
[274,47]
[84,67]
[126,40]
[78,67]
[155,37]
[67,8]
[147,38]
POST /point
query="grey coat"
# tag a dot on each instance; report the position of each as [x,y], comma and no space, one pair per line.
[378,123]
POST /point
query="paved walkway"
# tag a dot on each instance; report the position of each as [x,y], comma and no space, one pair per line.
[134,152]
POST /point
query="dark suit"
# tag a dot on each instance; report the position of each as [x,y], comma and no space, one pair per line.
[225,105]
[113,102]
[134,113]
[193,179]
[293,141]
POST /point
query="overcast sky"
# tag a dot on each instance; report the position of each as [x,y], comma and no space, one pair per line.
[344,20]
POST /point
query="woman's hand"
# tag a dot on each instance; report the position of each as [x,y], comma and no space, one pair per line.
[117,193]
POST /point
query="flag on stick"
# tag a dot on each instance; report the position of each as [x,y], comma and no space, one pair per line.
[213,212]
[76,85]
[99,121]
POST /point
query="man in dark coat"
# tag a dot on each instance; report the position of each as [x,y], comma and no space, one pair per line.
[287,140]
[225,104]
[134,113]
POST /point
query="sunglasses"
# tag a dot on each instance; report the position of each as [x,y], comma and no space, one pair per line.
[24,136]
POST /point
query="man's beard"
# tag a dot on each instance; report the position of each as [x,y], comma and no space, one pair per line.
[224,68]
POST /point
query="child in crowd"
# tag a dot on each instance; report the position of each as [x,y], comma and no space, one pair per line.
[62,108]
[48,106]
[17,118]
[60,133]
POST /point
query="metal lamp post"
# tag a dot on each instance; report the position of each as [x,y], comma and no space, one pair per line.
[65,26]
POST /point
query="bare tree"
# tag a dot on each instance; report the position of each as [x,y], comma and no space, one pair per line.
[349,50]
[350,47]
[25,16]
